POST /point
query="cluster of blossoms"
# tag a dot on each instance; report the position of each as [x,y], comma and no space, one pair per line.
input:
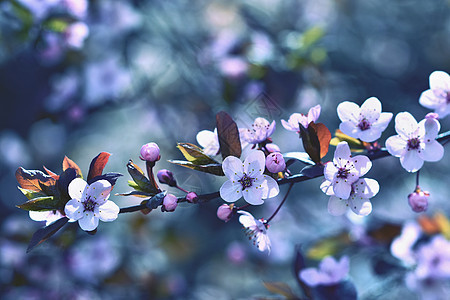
[257,176]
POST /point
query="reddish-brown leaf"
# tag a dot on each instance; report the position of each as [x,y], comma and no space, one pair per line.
[51,174]
[324,136]
[68,163]
[33,180]
[97,165]
[228,133]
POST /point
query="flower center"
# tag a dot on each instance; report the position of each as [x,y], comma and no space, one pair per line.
[413,144]
[364,124]
[89,205]
[245,181]
[342,173]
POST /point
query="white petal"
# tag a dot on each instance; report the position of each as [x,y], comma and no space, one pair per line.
[337,206]
[396,145]
[39,215]
[271,129]
[360,205]
[230,191]
[108,212]
[74,209]
[369,135]
[431,128]
[270,187]
[314,113]
[247,220]
[327,188]
[330,171]
[383,121]
[429,100]
[342,151]
[233,168]
[76,188]
[99,191]
[362,164]
[206,138]
[432,152]
[440,80]
[342,189]
[443,110]
[349,128]
[371,109]
[366,187]
[253,196]
[263,242]
[88,222]
[348,111]
[255,162]
[405,124]
[288,126]
[411,161]
[311,277]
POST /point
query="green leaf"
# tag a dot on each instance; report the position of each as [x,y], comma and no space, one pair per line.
[194,154]
[44,233]
[30,194]
[215,169]
[41,204]
[136,194]
[56,24]
[228,133]
[156,200]
[280,288]
[312,36]
[301,156]
[142,182]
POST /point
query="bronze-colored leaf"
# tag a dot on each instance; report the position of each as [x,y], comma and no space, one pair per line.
[324,136]
[215,169]
[51,174]
[310,142]
[33,180]
[228,132]
[68,163]
[195,154]
[97,165]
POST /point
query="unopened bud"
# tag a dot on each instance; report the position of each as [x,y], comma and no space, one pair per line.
[166,177]
[170,202]
[275,162]
[150,152]
[225,211]
[273,148]
[418,200]
[192,197]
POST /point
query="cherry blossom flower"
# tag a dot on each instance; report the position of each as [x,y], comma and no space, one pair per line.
[365,123]
[295,119]
[261,130]
[402,246]
[415,142]
[256,229]
[90,203]
[75,35]
[209,141]
[275,162]
[344,170]
[418,200]
[438,96]
[49,216]
[433,259]
[246,179]
[359,201]
[330,272]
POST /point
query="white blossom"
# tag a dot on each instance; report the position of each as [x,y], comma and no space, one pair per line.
[365,123]
[330,272]
[246,179]
[256,229]
[296,118]
[438,96]
[344,170]
[261,130]
[90,203]
[209,141]
[415,142]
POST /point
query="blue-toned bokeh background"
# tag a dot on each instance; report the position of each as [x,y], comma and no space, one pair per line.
[81,77]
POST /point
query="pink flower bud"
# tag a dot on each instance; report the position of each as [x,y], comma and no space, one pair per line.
[150,152]
[418,200]
[170,202]
[225,211]
[275,162]
[166,177]
[273,148]
[192,197]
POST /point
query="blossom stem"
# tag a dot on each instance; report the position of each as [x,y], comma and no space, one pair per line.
[281,203]
[417,178]
[181,189]
[151,176]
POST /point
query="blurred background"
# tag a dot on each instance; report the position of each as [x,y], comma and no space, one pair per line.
[79,77]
